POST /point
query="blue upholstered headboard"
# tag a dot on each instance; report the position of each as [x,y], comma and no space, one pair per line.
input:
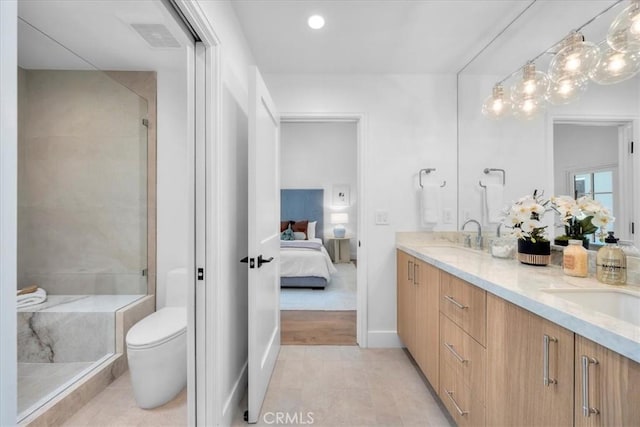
[298,205]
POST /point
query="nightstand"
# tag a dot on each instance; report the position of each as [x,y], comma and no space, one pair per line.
[339,249]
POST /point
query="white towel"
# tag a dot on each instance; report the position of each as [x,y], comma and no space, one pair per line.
[429,204]
[493,198]
[34,298]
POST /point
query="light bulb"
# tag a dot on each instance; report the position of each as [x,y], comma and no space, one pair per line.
[565,90]
[534,84]
[497,105]
[615,66]
[575,58]
[527,107]
[624,32]
[315,22]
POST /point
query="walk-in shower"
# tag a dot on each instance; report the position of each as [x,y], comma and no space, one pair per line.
[82,213]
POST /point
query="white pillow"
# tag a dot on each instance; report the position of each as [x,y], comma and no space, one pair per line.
[311,230]
[299,235]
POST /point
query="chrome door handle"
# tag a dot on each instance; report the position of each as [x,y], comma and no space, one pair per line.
[460,411]
[545,360]
[586,409]
[455,353]
[454,302]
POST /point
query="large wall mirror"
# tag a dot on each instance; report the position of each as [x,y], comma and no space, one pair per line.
[577,148]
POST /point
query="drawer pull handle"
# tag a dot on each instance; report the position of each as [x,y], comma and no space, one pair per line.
[545,360]
[586,409]
[454,302]
[455,353]
[460,411]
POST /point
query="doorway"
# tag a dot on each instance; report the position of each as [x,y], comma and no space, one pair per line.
[319,184]
[593,158]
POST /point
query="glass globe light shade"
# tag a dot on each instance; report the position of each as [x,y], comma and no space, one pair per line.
[528,107]
[575,59]
[533,84]
[624,31]
[497,105]
[566,90]
[615,66]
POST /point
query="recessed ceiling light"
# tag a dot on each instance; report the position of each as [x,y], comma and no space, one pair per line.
[316,22]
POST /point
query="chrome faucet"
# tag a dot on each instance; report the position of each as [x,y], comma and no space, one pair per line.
[467,239]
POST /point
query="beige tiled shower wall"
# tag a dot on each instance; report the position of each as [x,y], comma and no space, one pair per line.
[82,184]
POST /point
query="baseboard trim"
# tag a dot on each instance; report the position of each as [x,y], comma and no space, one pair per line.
[236,396]
[383,339]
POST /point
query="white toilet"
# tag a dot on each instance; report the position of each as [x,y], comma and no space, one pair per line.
[157,347]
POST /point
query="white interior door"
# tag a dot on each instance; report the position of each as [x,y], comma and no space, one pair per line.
[264,241]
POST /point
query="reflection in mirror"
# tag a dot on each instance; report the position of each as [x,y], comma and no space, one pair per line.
[528,150]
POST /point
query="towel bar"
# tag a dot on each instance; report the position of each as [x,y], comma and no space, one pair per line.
[428,171]
[504,174]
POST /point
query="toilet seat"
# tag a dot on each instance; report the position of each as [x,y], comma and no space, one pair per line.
[158,328]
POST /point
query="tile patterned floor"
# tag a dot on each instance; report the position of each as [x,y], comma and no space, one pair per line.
[116,406]
[329,385]
[347,386]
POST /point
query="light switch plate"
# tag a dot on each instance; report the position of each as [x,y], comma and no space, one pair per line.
[382,217]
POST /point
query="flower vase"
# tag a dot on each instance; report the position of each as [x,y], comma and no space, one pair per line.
[534,253]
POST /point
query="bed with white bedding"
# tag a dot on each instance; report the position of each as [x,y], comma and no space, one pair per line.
[305,263]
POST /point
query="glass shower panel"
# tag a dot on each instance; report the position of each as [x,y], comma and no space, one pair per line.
[82,213]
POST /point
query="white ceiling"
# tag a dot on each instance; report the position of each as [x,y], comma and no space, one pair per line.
[95,34]
[360,36]
[400,36]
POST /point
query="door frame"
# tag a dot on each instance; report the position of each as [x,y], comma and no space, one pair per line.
[360,119]
[205,402]
[628,165]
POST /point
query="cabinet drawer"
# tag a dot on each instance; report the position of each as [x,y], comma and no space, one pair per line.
[462,355]
[465,408]
[465,305]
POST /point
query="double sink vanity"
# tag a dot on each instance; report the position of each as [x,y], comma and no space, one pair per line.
[506,344]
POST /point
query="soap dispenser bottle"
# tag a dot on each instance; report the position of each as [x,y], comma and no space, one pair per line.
[611,262]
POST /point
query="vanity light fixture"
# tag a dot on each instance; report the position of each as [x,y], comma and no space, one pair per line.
[498,104]
[533,85]
[575,59]
[615,66]
[624,32]
[575,63]
[315,22]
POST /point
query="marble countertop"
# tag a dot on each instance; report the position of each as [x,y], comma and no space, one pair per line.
[528,287]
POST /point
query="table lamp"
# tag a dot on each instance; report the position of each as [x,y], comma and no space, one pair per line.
[339,219]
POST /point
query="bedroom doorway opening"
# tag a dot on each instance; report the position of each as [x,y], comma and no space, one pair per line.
[319,213]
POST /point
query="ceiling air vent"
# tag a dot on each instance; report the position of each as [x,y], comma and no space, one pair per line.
[157,35]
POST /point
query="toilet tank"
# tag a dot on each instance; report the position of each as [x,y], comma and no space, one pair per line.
[176,291]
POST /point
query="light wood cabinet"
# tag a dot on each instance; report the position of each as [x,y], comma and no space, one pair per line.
[465,305]
[417,312]
[427,353]
[529,368]
[406,307]
[462,374]
[607,389]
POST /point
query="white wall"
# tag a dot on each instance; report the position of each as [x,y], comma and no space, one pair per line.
[580,147]
[411,124]
[8,209]
[523,148]
[172,197]
[229,189]
[320,155]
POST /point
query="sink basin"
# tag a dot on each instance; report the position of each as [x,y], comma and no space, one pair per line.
[619,303]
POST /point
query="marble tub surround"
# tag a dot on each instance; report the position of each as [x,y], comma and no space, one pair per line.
[525,286]
[70,328]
